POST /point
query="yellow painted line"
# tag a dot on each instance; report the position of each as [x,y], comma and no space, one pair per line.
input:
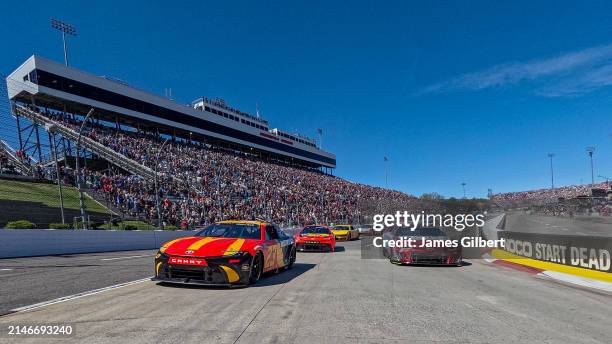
[198,244]
[571,270]
[232,276]
[234,247]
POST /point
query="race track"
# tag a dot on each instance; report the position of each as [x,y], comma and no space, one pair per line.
[591,226]
[336,298]
[25,281]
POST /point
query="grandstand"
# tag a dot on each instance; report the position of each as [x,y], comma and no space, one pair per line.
[149,158]
[53,86]
[564,192]
[565,200]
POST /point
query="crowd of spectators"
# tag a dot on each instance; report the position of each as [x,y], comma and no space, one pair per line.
[560,201]
[565,192]
[212,183]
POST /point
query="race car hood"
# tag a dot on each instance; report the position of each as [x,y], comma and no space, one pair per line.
[340,231]
[207,246]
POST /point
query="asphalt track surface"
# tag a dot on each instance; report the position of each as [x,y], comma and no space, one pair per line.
[590,226]
[328,298]
[25,281]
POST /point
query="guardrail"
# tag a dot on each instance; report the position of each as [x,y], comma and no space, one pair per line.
[44,242]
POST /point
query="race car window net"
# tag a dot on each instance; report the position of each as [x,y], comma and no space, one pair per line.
[271,233]
[232,230]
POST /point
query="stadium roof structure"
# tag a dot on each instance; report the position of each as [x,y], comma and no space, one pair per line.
[52,85]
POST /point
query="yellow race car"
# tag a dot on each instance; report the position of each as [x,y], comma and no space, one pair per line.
[345,232]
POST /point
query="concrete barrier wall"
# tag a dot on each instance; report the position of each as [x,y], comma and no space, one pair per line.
[493,226]
[587,252]
[44,242]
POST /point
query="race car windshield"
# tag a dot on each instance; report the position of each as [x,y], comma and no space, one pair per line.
[315,230]
[232,230]
[427,232]
[342,228]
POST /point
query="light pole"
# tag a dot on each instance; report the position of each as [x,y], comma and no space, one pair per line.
[159,217]
[320,131]
[463,186]
[78,171]
[590,151]
[552,175]
[64,28]
[57,172]
[386,160]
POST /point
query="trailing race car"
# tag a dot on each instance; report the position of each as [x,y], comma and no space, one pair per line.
[225,253]
[345,232]
[419,254]
[315,238]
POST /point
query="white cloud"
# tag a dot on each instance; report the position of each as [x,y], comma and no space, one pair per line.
[575,73]
[587,81]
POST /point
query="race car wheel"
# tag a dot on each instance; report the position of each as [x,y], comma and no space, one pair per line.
[256,268]
[291,258]
[459,261]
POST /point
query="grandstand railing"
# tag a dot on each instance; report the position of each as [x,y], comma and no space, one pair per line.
[11,155]
[87,143]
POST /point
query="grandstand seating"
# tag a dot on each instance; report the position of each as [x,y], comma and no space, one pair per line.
[567,192]
[87,143]
[9,157]
[199,183]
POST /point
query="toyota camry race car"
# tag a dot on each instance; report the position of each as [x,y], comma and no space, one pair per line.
[225,253]
[315,238]
[418,253]
[345,232]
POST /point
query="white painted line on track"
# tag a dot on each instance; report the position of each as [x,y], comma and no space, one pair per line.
[76,296]
[6,269]
[126,257]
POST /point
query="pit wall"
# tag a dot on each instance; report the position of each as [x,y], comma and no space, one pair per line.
[43,242]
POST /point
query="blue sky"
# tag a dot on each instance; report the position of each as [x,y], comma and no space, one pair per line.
[450,91]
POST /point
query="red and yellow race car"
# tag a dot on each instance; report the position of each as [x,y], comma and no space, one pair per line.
[315,238]
[225,253]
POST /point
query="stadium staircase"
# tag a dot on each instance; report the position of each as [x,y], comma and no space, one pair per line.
[12,156]
[87,143]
